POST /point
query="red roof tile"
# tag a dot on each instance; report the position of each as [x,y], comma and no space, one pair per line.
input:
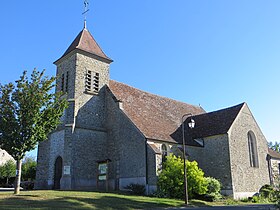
[155,116]
[85,41]
[272,153]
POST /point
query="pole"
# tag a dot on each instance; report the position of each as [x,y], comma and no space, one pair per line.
[184,159]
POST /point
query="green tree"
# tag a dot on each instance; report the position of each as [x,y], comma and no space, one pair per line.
[171,179]
[275,146]
[29,168]
[29,111]
[8,170]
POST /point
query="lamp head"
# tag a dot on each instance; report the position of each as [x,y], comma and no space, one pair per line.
[191,123]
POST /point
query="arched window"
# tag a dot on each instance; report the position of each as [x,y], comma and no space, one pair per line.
[253,153]
[163,152]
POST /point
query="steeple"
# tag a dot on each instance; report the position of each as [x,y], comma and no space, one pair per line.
[86,43]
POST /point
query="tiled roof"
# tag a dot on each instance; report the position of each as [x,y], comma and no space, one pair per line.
[208,124]
[215,123]
[85,41]
[273,153]
[155,116]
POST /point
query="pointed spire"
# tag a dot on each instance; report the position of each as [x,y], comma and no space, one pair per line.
[85,42]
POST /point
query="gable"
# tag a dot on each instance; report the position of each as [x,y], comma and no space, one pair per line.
[215,123]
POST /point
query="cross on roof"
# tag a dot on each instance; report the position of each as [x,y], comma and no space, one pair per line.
[86,4]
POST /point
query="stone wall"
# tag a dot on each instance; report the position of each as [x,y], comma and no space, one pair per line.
[247,180]
[126,147]
[42,169]
[275,171]
[214,160]
[4,157]
[89,148]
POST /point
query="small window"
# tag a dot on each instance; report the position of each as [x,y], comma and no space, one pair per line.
[253,153]
[92,81]
[62,82]
[66,82]
[279,167]
[102,171]
[163,152]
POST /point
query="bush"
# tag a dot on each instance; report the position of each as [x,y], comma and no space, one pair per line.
[171,179]
[213,185]
[266,191]
[255,199]
[136,189]
[277,196]
[28,169]
[213,197]
[27,185]
[213,189]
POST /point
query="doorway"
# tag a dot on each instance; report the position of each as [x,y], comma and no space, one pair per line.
[57,173]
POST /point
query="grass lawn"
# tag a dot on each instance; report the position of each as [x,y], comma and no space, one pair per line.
[81,200]
[49,199]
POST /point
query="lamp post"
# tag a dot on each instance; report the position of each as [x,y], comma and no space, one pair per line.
[191,125]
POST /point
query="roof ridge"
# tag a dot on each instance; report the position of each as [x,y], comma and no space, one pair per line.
[81,38]
[97,44]
[224,109]
[156,95]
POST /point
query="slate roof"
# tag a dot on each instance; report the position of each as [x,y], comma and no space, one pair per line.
[215,123]
[272,153]
[85,42]
[208,124]
[155,116]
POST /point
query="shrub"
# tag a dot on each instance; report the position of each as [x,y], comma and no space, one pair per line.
[136,189]
[266,191]
[27,185]
[255,199]
[29,169]
[213,189]
[171,179]
[277,196]
[213,185]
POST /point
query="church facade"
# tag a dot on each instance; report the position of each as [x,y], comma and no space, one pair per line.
[113,134]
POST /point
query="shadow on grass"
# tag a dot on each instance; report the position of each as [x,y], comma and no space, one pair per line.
[198,203]
[69,202]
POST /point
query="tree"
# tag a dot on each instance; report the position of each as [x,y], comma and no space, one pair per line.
[8,170]
[171,179]
[28,113]
[29,168]
[275,146]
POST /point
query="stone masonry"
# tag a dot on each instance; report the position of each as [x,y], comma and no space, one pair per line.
[113,136]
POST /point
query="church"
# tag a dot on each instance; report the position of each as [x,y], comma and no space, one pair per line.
[113,134]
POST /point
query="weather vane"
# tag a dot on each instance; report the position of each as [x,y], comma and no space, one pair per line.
[86,3]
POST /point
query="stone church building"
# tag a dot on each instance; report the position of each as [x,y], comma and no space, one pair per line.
[113,134]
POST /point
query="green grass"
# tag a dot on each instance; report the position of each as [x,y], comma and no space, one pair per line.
[49,199]
[81,200]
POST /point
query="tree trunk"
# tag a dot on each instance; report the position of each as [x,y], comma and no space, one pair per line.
[7,181]
[18,177]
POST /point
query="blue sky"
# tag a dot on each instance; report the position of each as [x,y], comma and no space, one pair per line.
[216,53]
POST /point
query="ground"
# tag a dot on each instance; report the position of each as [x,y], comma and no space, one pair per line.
[107,201]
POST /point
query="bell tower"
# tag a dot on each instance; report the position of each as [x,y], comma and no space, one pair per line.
[82,72]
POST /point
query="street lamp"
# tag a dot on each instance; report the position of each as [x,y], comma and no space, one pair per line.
[191,125]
